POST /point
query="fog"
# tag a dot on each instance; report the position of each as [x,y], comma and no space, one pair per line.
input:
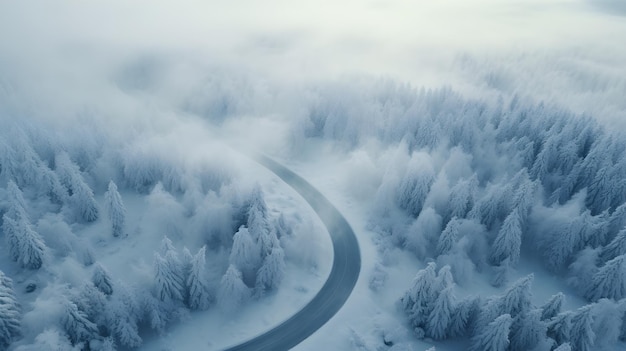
[467,135]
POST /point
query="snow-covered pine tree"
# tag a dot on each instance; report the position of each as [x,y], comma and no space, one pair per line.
[615,248]
[560,326]
[116,209]
[25,245]
[75,323]
[582,336]
[124,315]
[417,301]
[448,237]
[233,292]
[462,198]
[517,298]
[93,303]
[553,307]
[607,321]
[200,296]
[444,279]
[272,271]
[81,195]
[439,319]
[245,255]
[494,337]
[509,240]
[609,281]
[527,330]
[415,184]
[102,279]
[462,315]
[10,314]
[169,282]
[564,347]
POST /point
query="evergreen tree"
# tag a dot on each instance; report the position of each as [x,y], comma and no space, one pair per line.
[76,325]
[116,209]
[461,317]
[169,282]
[607,319]
[197,283]
[462,197]
[415,185]
[81,195]
[508,241]
[560,326]
[245,255]
[272,271]
[417,300]
[124,315]
[609,281]
[517,298]
[25,245]
[527,330]
[448,237]
[495,337]
[440,317]
[582,336]
[233,292]
[564,347]
[615,248]
[553,307]
[102,280]
[10,314]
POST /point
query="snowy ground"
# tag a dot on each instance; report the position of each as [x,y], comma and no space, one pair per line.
[307,270]
[369,316]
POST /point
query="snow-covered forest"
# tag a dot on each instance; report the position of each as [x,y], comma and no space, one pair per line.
[476,149]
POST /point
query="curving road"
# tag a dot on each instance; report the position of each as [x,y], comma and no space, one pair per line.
[341,281]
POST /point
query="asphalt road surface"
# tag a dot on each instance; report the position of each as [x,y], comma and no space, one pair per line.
[338,287]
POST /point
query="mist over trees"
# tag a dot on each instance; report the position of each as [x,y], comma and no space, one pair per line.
[59,197]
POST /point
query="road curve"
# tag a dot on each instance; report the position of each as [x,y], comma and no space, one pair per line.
[337,288]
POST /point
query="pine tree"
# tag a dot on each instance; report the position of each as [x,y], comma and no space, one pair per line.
[527,330]
[448,237]
[233,292]
[495,337]
[615,248]
[461,317]
[607,319]
[553,307]
[517,298]
[462,197]
[116,209]
[76,325]
[440,317]
[581,335]
[245,255]
[508,241]
[169,282]
[272,271]
[25,245]
[560,326]
[10,314]
[609,281]
[564,347]
[415,185]
[81,195]
[417,300]
[124,315]
[197,283]
[102,280]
